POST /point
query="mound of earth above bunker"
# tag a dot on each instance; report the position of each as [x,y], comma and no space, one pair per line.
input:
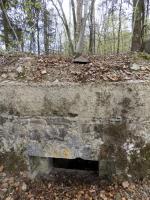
[56,68]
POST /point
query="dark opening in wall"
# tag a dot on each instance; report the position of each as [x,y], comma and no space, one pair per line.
[76,164]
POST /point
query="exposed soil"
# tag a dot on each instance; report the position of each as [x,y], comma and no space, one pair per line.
[54,68]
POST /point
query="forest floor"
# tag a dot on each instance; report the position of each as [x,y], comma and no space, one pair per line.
[69,186]
[55,68]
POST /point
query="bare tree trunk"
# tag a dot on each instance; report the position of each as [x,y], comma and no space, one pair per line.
[7,24]
[64,20]
[79,47]
[79,18]
[38,36]
[138,23]
[113,28]
[79,23]
[119,29]
[92,28]
[74,19]
[6,31]
[145,28]
[32,42]
[46,39]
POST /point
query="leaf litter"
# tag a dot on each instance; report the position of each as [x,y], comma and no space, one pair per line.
[110,68]
[72,185]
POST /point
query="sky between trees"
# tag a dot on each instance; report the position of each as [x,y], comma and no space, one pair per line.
[74,26]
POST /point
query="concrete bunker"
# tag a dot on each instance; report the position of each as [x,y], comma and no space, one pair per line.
[107,124]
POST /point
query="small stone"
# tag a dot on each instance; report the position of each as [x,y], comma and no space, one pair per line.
[125,184]
[135,67]
[3,190]
[3,174]
[12,75]
[92,191]
[4,185]
[25,59]
[4,75]
[24,187]
[81,60]
[20,69]
[9,198]
[6,180]
[56,81]
[43,71]
[143,68]
[102,195]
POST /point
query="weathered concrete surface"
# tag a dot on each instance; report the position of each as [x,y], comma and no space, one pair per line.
[41,166]
[109,122]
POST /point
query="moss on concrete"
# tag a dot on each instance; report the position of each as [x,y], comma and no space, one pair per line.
[13,162]
[140,162]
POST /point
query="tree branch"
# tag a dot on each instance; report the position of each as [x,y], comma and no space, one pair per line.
[8,21]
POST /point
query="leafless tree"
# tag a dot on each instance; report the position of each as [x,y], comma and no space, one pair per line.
[138,23]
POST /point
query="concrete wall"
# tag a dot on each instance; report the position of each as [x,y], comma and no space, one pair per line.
[109,122]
